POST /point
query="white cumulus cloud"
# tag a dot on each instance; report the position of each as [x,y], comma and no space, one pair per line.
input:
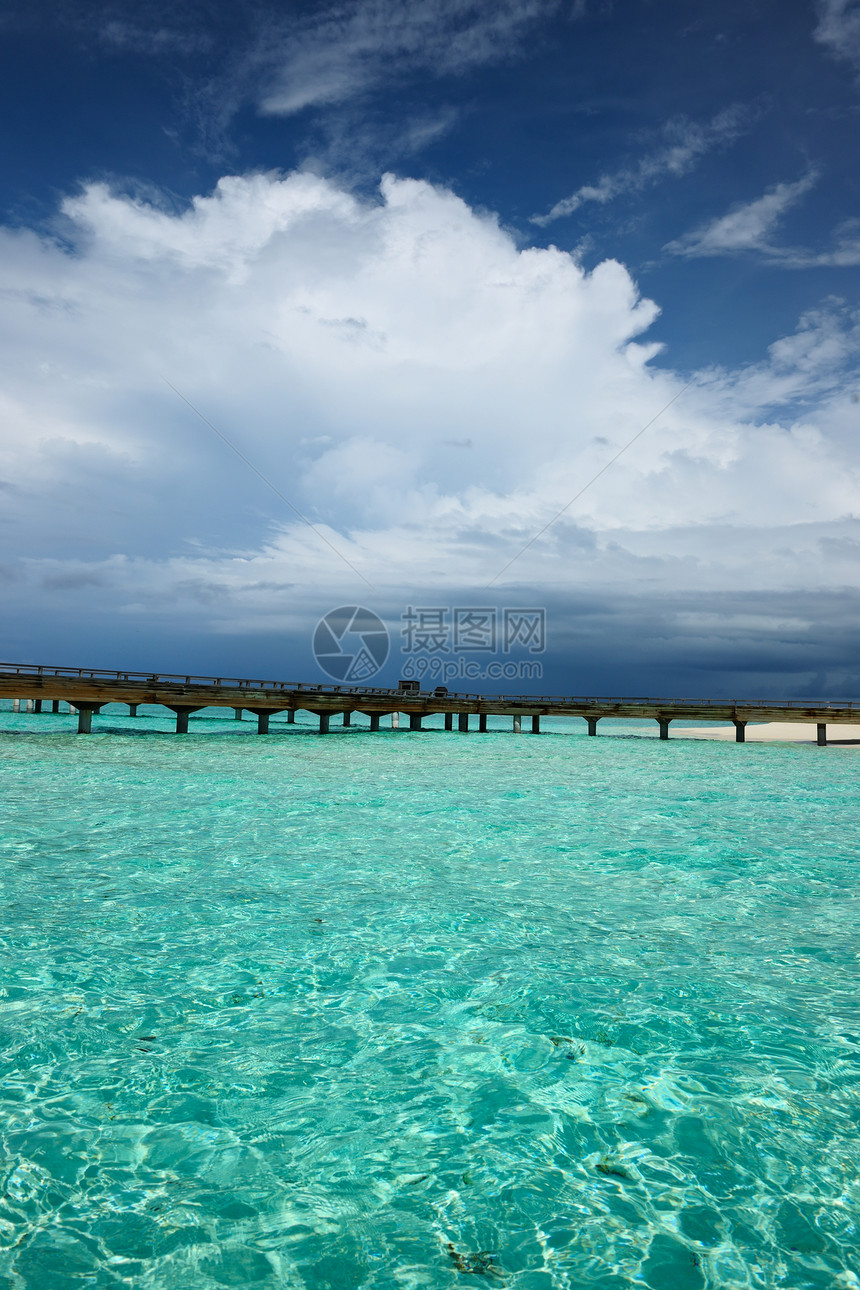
[424,390]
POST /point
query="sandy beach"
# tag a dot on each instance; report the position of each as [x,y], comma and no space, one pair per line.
[789,732]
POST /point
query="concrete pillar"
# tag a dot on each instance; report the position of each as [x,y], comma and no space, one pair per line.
[663,723]
[592,724]
[518,725]
[740,731]
[822,734]
[263,723]
[37,706]
[16,705]
[85,719]
[414,720]
[463,722]
[535,725]
[29,703]
[291,717]
[55,705]
[325,718]
[374,721]
[395,721]
[183,712]
[347,718]
[449,721]
[482,723]
[237,714]
[132,709]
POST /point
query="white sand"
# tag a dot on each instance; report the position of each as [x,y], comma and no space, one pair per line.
[789,732]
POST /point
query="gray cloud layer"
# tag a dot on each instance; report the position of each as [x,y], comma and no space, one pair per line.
[429,394]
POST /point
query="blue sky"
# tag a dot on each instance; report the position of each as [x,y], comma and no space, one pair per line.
[430,266]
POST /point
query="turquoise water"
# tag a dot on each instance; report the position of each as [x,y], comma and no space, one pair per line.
[425,1010]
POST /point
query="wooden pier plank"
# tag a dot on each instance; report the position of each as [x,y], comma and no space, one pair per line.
[97,688]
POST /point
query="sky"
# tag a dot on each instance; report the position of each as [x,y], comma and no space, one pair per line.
[451,306]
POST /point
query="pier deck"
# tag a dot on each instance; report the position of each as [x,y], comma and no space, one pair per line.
[88,690]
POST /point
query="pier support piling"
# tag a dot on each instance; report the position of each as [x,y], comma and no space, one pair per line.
[518,725]
[374,721]
[262,721]
[85,717]
[183,712]
[740,731]
[822,734]
[347,718]
[237,714]
[325,718]
[291,717]
[449,721]
[482,722]
[132,709]
[29,703]
[414,720]
[535,725]
[55,705]
[395,721]
[592,724]
[463,723]
[37,705]
[16,705]
[663,723]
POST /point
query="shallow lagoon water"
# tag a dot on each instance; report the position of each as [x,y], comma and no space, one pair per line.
[425,1010]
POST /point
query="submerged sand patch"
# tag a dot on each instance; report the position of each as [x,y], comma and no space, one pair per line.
[791,732]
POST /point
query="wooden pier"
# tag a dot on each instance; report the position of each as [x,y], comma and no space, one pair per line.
[88,690]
